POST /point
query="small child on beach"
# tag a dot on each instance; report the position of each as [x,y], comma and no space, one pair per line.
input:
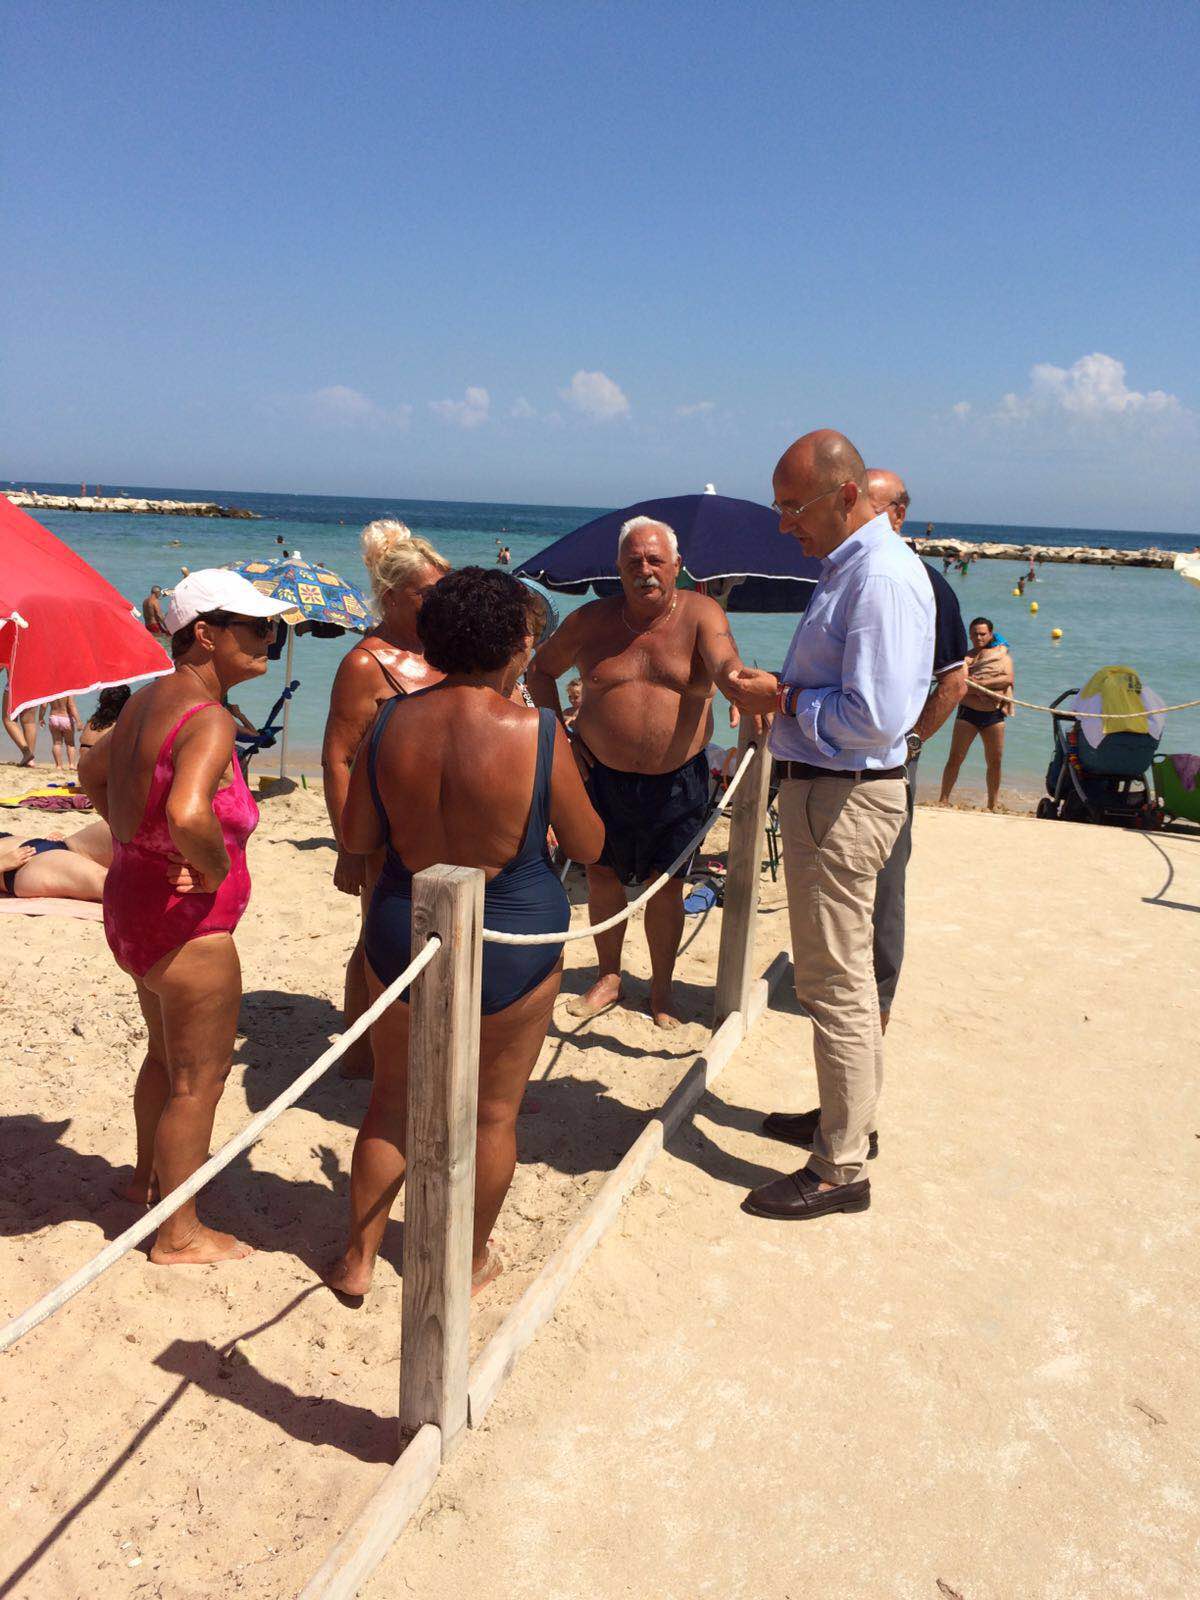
[63,720]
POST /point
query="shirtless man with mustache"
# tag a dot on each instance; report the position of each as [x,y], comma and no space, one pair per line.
[650,660]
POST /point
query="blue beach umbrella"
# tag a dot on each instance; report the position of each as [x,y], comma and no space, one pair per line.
[733,548]
[318,596]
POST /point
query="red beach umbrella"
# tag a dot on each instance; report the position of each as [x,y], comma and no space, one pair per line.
[63,628]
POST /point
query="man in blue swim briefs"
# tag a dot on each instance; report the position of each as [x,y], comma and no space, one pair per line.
[650,660]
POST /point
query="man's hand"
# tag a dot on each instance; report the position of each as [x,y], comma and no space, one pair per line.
[753,690]
[350,873]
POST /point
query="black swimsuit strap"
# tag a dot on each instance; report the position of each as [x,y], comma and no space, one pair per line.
[392,682]
[534,842]
[382,719]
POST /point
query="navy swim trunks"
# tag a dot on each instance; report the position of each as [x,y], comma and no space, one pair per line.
[649,817]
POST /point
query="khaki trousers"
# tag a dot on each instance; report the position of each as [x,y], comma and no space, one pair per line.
[836,837]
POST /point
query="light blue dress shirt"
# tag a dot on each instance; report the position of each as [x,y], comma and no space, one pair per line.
[862,656]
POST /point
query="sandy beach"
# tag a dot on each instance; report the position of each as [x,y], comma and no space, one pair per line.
[989,1379]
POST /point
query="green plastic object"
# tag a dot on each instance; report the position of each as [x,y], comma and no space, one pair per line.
[1175,800]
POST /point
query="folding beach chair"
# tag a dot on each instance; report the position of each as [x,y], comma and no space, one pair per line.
[249,744]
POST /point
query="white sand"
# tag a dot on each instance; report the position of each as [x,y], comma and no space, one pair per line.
[942,1388]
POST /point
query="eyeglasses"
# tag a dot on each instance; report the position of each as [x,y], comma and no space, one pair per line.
[260,627]
[798,511]
[900,503]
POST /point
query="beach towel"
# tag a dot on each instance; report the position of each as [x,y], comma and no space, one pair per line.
[65,792]
[57,802]
[86,910]
[992,668]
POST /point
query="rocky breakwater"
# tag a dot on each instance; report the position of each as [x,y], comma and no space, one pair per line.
[31,500]
[1077,555]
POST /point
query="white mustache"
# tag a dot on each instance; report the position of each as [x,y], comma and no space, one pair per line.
[646,583]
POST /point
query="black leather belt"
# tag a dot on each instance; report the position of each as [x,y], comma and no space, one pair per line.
[805,769]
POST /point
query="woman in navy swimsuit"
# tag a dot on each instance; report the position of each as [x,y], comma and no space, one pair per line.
[459,774]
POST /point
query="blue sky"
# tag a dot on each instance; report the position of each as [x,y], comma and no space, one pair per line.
[583,253]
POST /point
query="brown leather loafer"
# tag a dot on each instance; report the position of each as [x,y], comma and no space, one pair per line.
[799,1127]
[796,1197]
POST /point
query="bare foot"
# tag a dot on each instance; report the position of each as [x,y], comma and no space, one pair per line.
[350,1276]
[138,1191]
[663,1012]
[205,1246]
[605,993]
[488,1273]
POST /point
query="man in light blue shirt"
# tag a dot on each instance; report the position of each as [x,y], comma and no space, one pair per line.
[854,682]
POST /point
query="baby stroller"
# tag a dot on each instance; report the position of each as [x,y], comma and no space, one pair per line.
[1105,781]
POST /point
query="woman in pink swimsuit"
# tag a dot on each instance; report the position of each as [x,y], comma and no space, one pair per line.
[168,782]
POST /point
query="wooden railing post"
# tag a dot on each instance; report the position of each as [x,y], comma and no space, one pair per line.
[439,1195]
[748,817]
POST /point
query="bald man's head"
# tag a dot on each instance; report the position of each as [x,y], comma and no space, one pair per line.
[888,493]
[821,491]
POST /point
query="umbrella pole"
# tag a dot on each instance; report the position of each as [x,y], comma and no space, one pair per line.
[287,705]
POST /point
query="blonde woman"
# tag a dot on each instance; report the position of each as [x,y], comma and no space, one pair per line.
[389,661]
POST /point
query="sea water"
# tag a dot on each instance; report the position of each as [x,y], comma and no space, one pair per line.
[1148,619]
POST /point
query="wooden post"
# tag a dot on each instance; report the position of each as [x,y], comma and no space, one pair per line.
[439,1199]
[748,817]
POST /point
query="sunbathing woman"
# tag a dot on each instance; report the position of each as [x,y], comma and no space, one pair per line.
[172,791]
[73,868]
[461,775]
[388,662]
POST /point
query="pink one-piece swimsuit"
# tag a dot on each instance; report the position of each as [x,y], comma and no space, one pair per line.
[144,917]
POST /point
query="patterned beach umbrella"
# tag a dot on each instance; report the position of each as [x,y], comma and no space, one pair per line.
[317,594]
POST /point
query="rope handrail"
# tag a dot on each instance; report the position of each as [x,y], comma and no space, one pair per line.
[55,1298]
[1105,716]
[492,937]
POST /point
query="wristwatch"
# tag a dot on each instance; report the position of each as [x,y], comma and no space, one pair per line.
[915,742]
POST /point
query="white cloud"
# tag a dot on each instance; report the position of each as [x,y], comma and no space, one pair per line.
[1093,389]
[522,410]
[961,408]
[470,412]
[595,395]
[342,407]
[700,409]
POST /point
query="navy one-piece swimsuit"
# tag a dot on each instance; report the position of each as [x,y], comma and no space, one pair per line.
[525,896]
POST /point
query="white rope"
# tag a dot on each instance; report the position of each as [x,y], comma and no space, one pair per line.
[1106,716]
[56,1298]
[492,937]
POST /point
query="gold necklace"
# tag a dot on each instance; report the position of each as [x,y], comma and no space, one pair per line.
[666,617]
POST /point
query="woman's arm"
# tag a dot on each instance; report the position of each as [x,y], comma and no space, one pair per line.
[92,773]
[202,752]
[240,717]
[352,706]
[578,829]
[360,825]
[73,711]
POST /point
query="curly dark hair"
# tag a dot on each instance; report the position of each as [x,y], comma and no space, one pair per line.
[474,620]
[108,707]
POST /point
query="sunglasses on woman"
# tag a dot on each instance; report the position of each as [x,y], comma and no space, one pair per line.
[261,627]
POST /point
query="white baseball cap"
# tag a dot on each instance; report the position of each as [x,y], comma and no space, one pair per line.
[218,589]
